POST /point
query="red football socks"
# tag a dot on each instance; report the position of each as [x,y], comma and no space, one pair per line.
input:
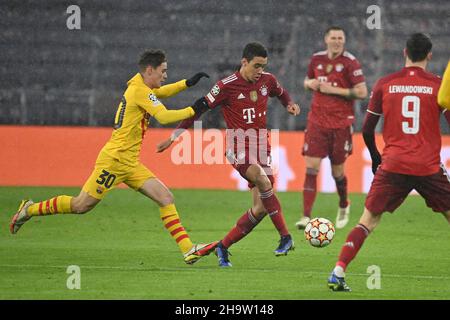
[273,208]
[355,240]
[244,225]
[341,186]
[309,191]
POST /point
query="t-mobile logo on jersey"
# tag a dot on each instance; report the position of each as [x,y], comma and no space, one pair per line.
[249,114]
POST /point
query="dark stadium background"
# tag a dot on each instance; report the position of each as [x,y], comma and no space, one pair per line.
[50,75]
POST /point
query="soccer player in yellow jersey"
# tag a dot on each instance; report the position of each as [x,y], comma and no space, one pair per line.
[444,90]
[118,161]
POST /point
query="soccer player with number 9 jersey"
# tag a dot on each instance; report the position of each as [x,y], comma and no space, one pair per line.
[411,157]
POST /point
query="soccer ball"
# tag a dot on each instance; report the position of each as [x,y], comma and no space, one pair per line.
[319,232]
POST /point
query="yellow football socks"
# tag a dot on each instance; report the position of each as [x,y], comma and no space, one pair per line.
[171,220]
[59,204]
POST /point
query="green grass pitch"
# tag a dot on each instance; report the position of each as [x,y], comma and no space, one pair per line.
[124,252]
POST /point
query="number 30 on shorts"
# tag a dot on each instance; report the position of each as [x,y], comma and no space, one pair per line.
[106,178]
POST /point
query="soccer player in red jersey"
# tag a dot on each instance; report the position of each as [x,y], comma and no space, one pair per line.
[411,156]
[336,78]
[243,96]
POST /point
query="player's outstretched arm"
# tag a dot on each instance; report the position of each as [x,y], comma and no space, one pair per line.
[368,131]
[165,116]
[196,78]
[200,106]
[174,88]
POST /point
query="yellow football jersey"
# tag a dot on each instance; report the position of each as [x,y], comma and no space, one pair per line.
[139,102]
[444,91]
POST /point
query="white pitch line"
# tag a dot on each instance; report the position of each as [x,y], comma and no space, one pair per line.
[150,268]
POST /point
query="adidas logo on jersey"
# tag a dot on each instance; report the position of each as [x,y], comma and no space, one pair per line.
[241,96]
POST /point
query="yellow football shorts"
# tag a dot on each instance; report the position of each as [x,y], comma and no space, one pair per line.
[109,172]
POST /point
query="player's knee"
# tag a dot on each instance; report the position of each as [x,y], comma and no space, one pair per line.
[337,173]
[259,212]
[166,199]
[81,207]
[263,183]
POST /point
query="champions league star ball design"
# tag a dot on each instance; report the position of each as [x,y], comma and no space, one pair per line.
[319,232]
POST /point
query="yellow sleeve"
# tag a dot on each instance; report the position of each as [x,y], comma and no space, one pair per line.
[165,116]
[444,90]
[147,100]
[170,89]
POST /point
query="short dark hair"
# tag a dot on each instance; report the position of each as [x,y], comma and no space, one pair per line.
[334,28]
[418,46]
[151,57]
[254,49]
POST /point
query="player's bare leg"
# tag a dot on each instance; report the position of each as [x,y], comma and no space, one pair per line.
[355,239]
[256,174]
[83,203]
[343,212]
[57,205]
[309,190]
[158,192]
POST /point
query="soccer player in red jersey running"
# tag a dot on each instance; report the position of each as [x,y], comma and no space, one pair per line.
[411,156]
[336,78]
[243,96]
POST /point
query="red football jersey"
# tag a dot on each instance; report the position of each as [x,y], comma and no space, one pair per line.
[344,71]
[411,132]
[244,104]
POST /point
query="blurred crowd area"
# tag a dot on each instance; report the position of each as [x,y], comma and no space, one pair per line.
[51,75]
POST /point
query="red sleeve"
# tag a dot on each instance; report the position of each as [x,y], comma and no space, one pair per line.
[310,73]
[376,100]
[355,73]
[216,95]
[276,90]
[187,123]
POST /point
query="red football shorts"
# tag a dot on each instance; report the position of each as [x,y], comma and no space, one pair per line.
[389,190]
[321,142]
[243,159]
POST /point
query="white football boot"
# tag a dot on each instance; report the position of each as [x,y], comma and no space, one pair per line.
[343,215]
[301,224]
[20,217]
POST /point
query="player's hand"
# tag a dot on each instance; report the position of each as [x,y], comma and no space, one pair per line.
[200,106]
[326,88]
[313,84]
[196,78]
[376,161]
[293,109]
[164,145]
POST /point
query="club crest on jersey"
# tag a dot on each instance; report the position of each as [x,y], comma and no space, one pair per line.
[263,90]
[339,67]
[154,99]
[215,90]
[254,96]
[329,68]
